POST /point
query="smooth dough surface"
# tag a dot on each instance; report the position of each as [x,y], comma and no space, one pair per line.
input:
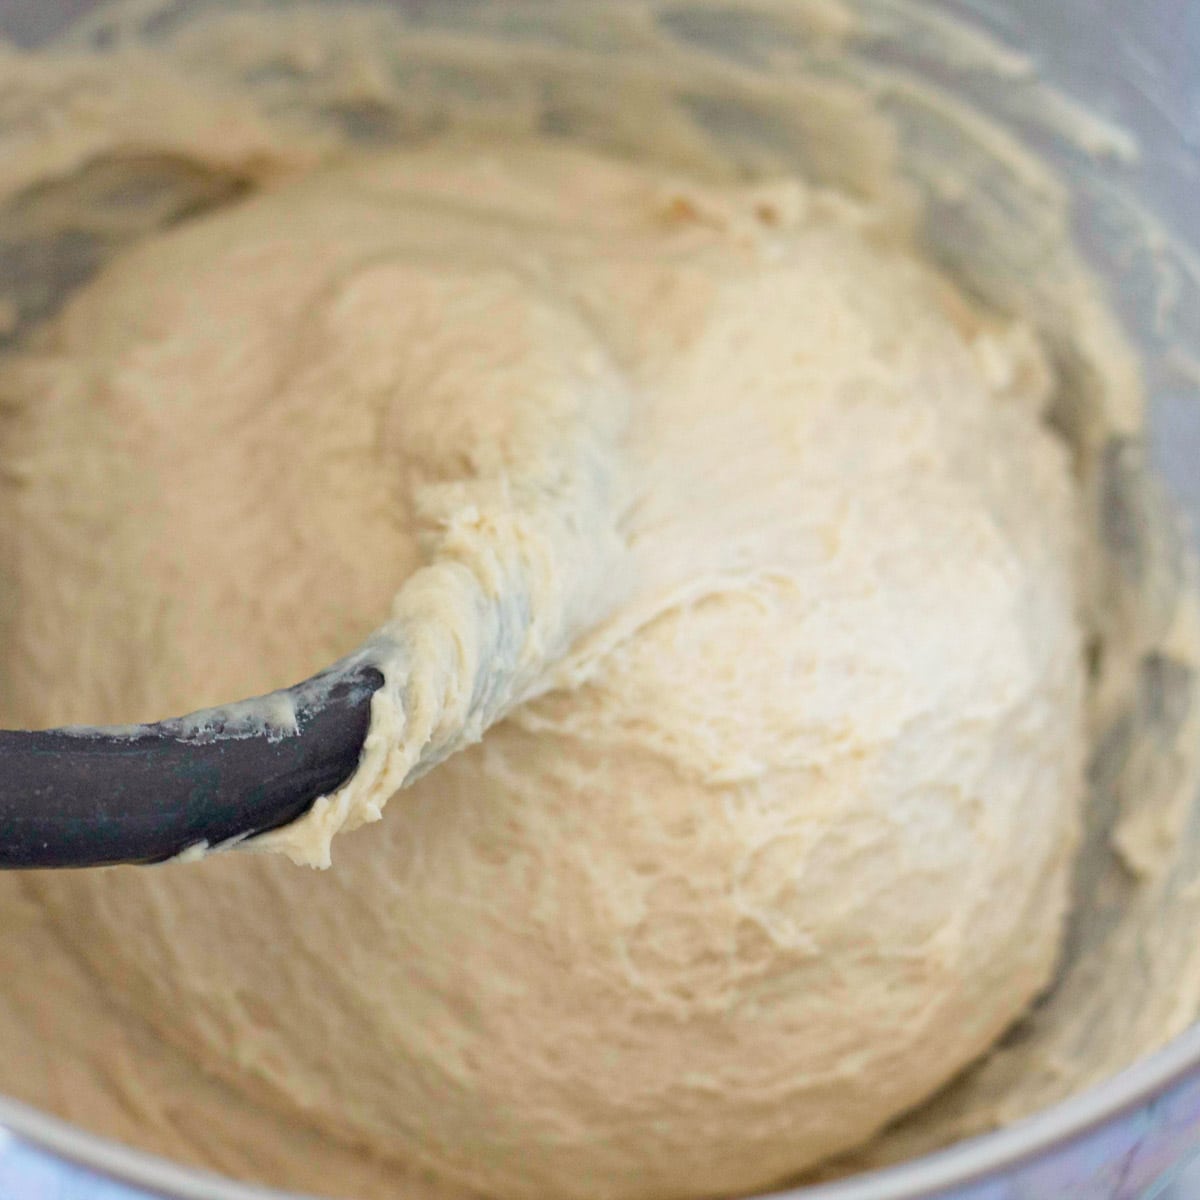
[780,848]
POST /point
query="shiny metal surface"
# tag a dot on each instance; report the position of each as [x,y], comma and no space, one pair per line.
[1131,1138]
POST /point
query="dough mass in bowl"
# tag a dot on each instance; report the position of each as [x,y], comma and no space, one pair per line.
[780,847]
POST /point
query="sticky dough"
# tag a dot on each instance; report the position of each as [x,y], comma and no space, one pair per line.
[778,839]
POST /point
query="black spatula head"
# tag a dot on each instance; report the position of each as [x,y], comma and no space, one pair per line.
[140,794]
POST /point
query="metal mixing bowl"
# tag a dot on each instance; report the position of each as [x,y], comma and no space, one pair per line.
[1137,62]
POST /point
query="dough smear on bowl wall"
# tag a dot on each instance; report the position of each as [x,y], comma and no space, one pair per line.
[785,842]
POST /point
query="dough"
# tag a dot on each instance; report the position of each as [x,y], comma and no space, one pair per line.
[779,847]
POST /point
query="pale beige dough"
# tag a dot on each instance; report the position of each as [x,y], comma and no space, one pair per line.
[780,846]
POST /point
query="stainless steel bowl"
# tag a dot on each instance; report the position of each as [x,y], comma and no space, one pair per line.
[1138,64]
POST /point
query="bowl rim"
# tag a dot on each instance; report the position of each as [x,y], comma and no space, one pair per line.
[970,1161]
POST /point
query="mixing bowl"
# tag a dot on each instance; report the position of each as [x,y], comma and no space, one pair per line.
[1122,130]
